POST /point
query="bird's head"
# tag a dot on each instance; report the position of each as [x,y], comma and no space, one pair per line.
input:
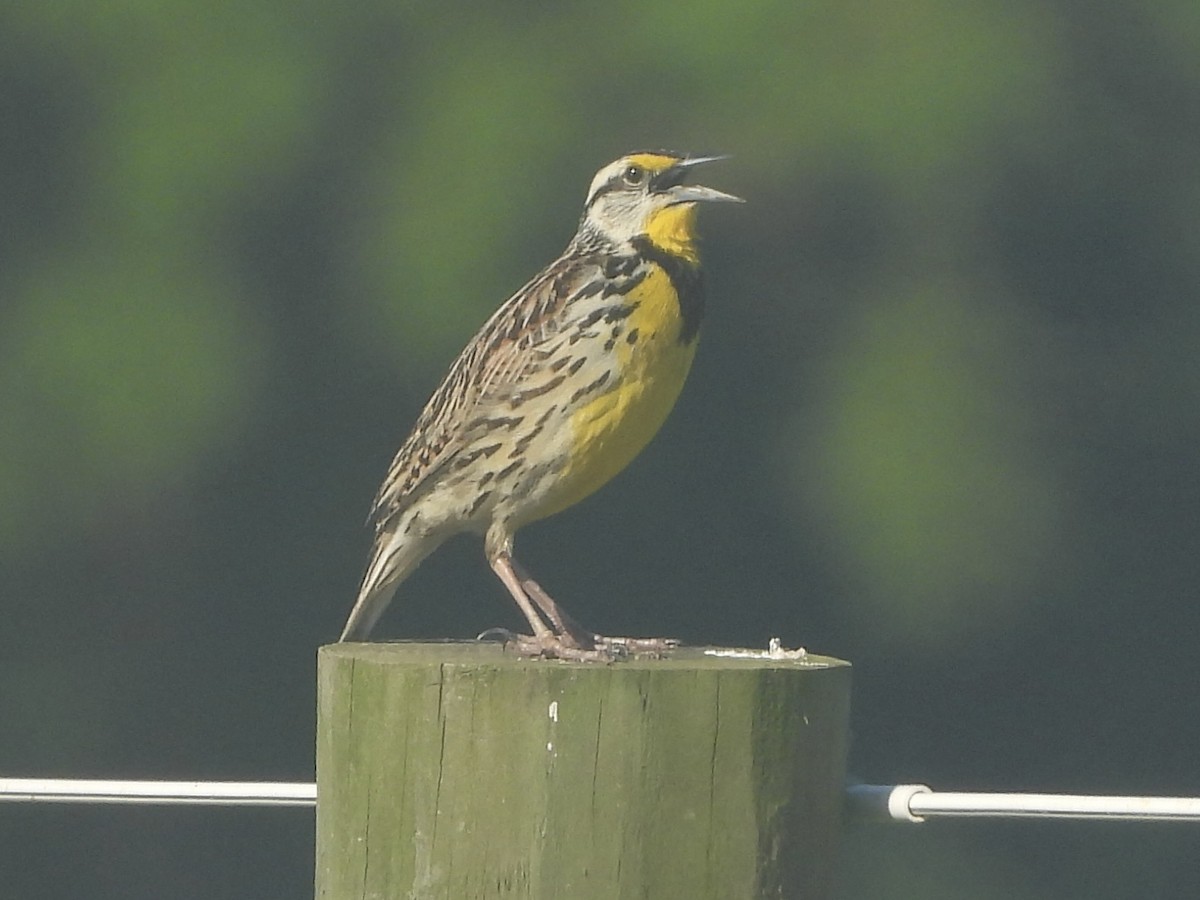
[646,194]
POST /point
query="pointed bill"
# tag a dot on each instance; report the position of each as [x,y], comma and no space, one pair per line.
[698,193]
[697,160]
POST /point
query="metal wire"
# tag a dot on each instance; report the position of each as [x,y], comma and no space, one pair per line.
[866,802]
[210,793]
[917,802]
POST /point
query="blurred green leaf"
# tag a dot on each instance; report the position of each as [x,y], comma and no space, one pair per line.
[118,377]
[926,466]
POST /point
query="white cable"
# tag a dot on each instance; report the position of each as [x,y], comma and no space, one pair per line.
[917,802]
[867,802]
[219,793]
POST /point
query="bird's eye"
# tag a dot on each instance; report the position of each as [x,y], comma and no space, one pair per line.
[634,175]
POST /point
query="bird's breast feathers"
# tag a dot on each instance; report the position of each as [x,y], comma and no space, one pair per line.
[642,363]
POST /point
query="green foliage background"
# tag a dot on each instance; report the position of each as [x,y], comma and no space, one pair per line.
[943,422]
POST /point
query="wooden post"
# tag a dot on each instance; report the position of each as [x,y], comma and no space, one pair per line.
[458,771]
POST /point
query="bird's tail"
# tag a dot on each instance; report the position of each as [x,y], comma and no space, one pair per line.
[394,558]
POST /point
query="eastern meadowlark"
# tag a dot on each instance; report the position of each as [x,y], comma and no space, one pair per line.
[558,391]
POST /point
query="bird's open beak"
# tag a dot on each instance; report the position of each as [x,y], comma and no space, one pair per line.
[694,193]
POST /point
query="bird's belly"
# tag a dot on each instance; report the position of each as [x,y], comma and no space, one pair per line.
[610,429]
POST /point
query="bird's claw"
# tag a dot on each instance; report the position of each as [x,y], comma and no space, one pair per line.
[565,647]
[655,648]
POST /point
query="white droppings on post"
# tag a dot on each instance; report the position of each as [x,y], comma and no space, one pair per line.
[775,650]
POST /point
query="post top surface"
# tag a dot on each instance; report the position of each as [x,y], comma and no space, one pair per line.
[493,654]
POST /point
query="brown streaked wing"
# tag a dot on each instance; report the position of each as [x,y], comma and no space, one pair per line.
[492,363]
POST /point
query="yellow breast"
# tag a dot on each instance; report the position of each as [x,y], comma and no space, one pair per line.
[608,432]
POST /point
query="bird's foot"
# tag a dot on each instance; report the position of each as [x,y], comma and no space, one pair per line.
[556,646]
[587,647]
[655,648]
[563,646]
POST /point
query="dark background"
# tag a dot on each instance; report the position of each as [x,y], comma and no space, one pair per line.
[943,422]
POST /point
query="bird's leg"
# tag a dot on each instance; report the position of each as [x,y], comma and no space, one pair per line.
[545,641]
[562,621]
[502,565]
[568,627]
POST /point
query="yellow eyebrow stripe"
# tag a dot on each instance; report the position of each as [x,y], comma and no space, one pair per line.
[652,162]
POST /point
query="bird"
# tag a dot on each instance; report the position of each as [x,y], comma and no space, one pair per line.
[557,392]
